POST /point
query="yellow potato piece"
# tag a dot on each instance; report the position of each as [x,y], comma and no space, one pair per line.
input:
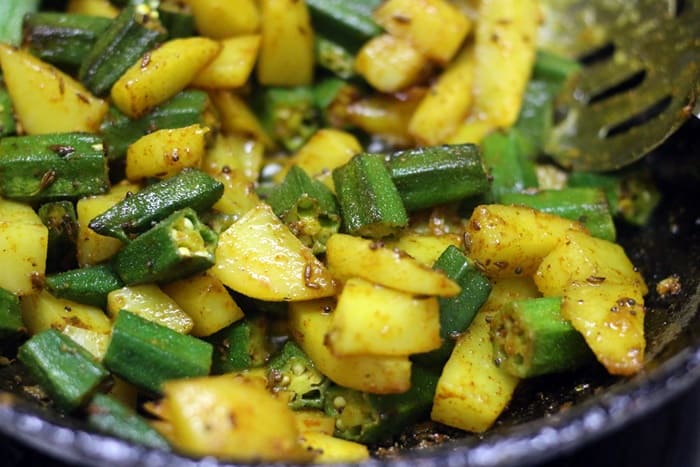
[510,241]
[232,67]
[93,341]
[435,27]
[164,153]
[373,320]
[611,319]
[472,391]
[162,73]
[236,117]
[350,256]
[233,418]
[24,243]
[220,19]
[584,258]
[239,194]
[505,39]
[390,64]
[234,153]
[309,323]
[93,248]
[446,104]
[332,450]
[260,257]
[45,99]
[205,299]
[287,50]
[424,248]
[151,303]
[43,311]
[92,8]
[314,420]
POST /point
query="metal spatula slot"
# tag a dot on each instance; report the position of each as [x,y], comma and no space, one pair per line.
[640,79]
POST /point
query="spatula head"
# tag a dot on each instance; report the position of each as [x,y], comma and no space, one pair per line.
[640,79]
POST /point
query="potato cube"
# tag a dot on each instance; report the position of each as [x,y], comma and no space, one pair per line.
[390,64]
[230,417]
[374,320]
[205,299]
[434,27]
[44,311]
[332,450]
[164,153]
[512,240]
[232,67]
[309,323]
[348,256]
[260,257]
[24,244]
[219,19]
[149,302]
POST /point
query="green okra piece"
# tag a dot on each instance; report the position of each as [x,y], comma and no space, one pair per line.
[241,346]
[331,96]
[456,313]
[133,33]
[368,418]
[554,68]
[370,203]
[176,247]
[191,188]
[632,195]
[292,370]
[63,39]
[89,285]
[11,15]
[586,205]
[289,115]
[349,23]
[429,176]
[112,417]
[507,165]
[334,57]
[10,315]
[147,354]
[531,338]
[186,108]
[62,222]
[7,118]
[51,167]
[177,21]
[536,116]
[65,370]
[308,207]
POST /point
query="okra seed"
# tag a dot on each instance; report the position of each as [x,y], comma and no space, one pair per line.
[184,251]
[298,369]
[339,402]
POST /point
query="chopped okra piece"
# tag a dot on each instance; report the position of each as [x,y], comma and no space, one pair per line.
[135,31]
[64,369]
[112,417]
[62,39]
[61,220]
[176,20]
[89,285]
[507,165]
[11,13]
[586,205]
[426,177]
[368,418]
[191,188]
[370,203]
[241,346]
[334,57]
[456,313]
[147,354]
[289,115]
[10,314]
[531,338]
[308,208]
[176,247]
[186,108]
[350,23]
[291,370]
[48,167]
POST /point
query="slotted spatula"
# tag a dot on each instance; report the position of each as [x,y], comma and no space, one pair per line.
[640,79]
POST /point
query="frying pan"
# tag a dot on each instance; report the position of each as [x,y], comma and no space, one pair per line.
[549,416]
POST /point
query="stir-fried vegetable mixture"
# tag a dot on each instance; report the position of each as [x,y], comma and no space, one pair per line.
[284,230]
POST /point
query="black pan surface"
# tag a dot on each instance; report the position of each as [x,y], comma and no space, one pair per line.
[551,418]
